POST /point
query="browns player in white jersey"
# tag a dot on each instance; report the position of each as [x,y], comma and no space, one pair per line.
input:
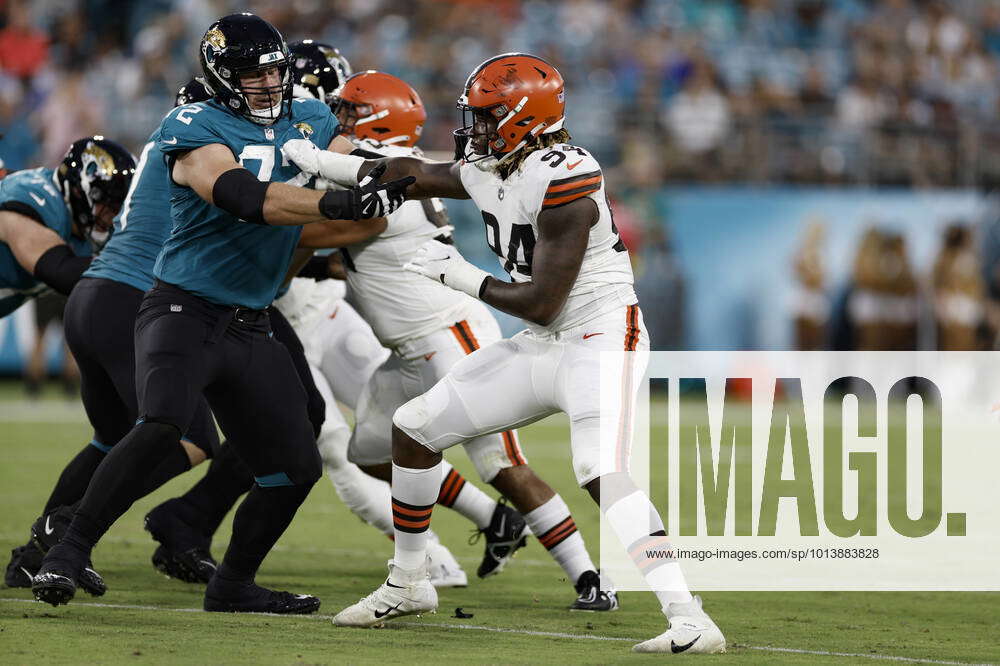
[430,327]
[547,219]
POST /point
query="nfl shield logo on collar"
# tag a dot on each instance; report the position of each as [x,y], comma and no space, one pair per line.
[269,134]
[500,194]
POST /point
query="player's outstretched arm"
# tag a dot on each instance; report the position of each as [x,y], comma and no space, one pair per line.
[41,251]
[431,179]
[340,233]
[558,254]
[215,176]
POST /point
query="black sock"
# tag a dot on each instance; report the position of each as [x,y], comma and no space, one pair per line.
[124,476]
[206,504]
[73,481]
[261,519]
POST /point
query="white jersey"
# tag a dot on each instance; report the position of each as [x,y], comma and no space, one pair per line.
[510,208]
[400,305]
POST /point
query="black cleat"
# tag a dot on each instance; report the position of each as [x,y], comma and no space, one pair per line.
[56,582]
[25,561]
[50,528]
[504,535]
[183,552]
[227,596]
[48,531]
[592,597]
[191,566]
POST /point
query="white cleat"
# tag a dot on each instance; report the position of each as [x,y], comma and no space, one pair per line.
[691,631]
[403,593]
[444,569]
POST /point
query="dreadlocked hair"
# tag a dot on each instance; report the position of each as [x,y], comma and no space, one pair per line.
[542,141]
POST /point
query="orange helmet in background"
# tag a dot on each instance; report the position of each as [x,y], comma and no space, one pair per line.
[514,97]
[381,107]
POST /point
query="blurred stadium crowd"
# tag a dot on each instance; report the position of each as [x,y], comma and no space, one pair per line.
[870,91]
[852,92]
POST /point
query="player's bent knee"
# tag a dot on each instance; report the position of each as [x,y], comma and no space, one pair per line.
[157,429]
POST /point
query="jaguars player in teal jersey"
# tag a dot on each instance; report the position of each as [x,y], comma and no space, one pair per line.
[52,220]
[204,328]
[99,322]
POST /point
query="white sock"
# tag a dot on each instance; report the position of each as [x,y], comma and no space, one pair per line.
[556,530]
[413,494]
[638,526]
[456,493]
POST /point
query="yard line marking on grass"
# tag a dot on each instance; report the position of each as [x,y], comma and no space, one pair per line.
[529,632]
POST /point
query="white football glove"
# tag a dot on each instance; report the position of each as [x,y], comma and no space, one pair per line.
[308,157]
[443,263]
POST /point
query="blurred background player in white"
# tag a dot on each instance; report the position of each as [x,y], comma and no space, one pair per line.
[547,218]
[429,328]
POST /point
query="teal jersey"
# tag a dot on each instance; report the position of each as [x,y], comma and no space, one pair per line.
[32,193]
[211,253]
[141,226]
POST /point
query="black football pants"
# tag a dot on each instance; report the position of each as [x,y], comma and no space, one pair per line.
[186,347]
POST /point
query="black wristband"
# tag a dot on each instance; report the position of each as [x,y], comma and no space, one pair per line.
[317,268]
[59,268]
[239,193]
[340,205]
[367,154]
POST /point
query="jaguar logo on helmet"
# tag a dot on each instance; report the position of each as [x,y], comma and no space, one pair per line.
[94,178]
[216,40]
[305,128]
[104,163]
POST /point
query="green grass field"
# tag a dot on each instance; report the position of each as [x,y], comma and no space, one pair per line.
[519,616]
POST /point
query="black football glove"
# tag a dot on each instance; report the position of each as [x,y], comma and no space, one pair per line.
[376,199]
[368,199]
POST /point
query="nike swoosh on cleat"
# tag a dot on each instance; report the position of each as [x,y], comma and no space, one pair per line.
[503,523]
[382,614]
[677,649]
[48,530]
[398,587]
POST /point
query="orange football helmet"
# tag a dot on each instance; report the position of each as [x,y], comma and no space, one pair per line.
[513,98]
[381,107]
